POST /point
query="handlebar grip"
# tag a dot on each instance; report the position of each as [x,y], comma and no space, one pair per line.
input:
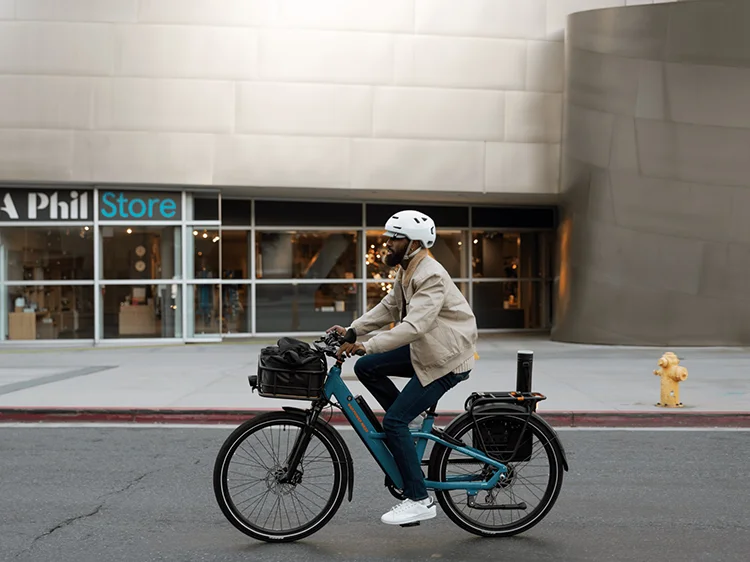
[350,336]
[360,352]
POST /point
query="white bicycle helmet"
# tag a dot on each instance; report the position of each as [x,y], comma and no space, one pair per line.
[412,225]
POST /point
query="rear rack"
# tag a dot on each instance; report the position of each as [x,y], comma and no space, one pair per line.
[526,399]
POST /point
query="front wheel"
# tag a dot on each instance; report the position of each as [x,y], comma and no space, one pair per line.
[523,496]
[248,471]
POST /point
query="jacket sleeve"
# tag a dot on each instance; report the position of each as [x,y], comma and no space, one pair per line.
[383,314]
[424,307]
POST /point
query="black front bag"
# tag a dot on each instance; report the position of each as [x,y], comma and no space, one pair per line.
[291,369]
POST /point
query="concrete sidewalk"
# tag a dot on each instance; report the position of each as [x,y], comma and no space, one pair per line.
[585,385]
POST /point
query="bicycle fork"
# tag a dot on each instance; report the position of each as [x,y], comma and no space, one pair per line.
[290,474]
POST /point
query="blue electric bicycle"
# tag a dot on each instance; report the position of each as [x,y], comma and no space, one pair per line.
[496,469]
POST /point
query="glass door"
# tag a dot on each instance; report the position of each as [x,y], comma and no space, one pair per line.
[204,295]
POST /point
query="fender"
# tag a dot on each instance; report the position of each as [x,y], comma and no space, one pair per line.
[499,407]
[335,436]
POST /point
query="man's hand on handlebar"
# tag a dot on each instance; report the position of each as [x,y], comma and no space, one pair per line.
[350,350]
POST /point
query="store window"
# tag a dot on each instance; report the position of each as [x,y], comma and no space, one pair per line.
[511,305]
[378,291]
[306,255]
[236,311]
[204,309]
[443,215]
[235,254]
[496,254]
[501,255]
[538,218]
[50,312]
[375,246]
[449,249]
[204,249]
[305,307]
[302,213]
[141,252]
[48,252]
[141,311]
[219,308]
[236,212]
[203,206]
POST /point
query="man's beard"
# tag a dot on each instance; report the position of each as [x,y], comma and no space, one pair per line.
[392,259]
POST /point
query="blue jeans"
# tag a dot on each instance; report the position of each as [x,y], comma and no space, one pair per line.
[402,407]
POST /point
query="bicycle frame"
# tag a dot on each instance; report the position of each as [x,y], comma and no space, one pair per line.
[335,387]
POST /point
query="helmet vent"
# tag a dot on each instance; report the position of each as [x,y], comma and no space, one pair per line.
[416,220]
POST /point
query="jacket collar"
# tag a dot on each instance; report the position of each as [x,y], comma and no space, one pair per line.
[406,274]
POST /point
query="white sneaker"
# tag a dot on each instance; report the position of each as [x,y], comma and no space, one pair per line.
[410,511]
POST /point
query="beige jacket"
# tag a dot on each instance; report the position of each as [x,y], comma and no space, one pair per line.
[439,324]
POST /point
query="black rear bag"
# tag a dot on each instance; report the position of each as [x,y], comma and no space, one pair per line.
[505,439]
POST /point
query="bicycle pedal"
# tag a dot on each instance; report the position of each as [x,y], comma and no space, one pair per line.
[415,524]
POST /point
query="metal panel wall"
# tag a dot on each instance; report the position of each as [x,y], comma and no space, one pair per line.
[655,233]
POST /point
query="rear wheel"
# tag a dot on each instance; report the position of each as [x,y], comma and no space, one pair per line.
[249,468]
[522,497]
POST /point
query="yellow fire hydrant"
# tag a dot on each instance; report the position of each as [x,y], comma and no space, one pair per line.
[671,375]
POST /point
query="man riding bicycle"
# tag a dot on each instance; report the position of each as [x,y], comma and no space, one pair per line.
[433,346]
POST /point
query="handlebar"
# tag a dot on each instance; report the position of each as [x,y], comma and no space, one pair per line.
[331,342]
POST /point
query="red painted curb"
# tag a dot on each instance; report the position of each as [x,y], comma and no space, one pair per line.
[228,416]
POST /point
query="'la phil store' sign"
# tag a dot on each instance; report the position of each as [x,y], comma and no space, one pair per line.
[76,205]
[21,205]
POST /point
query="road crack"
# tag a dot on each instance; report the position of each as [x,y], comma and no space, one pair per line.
[129,484]
[65,523]
[95,511]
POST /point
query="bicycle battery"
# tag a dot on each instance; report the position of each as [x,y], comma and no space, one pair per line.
[369,413]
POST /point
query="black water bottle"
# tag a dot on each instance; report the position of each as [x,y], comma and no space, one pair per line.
[524,366]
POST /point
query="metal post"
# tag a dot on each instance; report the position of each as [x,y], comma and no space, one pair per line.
[524,365]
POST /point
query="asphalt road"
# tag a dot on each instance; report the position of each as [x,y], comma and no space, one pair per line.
[141,494]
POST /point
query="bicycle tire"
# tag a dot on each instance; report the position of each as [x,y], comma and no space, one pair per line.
[439,460]
[323,432]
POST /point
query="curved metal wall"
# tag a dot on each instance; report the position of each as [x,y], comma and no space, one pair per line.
[655,231]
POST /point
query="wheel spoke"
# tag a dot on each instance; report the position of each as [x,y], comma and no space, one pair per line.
[246,487]
[296,493]
[251,457]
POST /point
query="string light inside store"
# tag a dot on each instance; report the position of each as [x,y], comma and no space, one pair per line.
[205,235]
